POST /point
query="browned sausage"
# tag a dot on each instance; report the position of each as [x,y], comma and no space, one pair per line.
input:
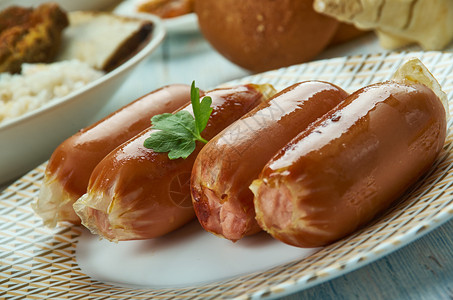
[351,164]
[136,193]
[226,166]
[71,164]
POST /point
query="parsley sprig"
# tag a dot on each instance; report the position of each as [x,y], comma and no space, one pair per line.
[177,133]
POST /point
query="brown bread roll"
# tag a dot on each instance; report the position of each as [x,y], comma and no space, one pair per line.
[264,35]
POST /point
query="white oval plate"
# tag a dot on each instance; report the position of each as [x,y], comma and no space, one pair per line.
[183,24]
[29,140]
[39,263]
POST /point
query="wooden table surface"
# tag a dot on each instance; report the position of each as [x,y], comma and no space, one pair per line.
[420,270]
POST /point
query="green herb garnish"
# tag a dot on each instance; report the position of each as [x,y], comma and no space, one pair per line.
[177,133]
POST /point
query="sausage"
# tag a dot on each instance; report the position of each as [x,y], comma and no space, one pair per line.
[226,166]
[350,165]
[136,193]
[70,166]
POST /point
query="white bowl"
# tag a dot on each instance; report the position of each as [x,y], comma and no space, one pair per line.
[30,139]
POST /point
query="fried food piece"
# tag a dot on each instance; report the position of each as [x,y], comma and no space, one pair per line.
[166,8]
[30,35]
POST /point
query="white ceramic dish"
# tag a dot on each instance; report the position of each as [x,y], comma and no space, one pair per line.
[69,262]
[29,139]
[184,24]
[68,5]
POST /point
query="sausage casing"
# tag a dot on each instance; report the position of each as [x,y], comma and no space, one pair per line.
[136,193]
[351,164]
[70,166]
[226,166]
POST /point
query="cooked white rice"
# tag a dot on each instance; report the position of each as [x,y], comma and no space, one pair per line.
[40,83]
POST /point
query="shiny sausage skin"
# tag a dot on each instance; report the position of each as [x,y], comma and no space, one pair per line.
[71,164]
[350,165]
[226,166]
[136,193]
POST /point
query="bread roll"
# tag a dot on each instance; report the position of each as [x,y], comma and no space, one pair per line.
[264,35]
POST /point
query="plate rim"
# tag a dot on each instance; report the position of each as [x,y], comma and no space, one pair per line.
[180,24]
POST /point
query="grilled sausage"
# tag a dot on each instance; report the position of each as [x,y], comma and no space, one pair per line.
[226,166]
[71,164]
[136,193]
[351,164]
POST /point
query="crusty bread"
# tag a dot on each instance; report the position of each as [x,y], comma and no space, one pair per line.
[397,23]
[103,40]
